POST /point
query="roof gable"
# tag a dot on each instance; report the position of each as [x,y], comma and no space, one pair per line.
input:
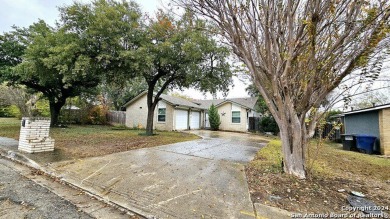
[135,98]
[248,102]
[177,101]
[171,100]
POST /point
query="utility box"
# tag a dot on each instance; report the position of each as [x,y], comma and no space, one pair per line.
[34,135]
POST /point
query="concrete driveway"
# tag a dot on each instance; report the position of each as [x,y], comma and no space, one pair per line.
[197,179]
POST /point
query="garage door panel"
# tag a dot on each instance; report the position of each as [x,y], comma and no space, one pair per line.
[181,119]
[195,120]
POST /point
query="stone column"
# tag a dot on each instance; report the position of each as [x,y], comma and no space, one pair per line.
[34,135]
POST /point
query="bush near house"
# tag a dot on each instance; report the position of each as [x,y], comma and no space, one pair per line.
[214,118]
[268,124]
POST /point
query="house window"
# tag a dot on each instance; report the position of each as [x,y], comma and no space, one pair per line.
[162,109]
[236,117]
[161,114]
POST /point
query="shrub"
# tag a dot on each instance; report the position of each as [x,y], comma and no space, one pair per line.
[268,124]
[5,111]
[214,118]
[10,111]
[98,115]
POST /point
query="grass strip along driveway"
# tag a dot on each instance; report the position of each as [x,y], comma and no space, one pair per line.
[78,141]
[334,174]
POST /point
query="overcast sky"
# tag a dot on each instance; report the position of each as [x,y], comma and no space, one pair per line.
[23,13]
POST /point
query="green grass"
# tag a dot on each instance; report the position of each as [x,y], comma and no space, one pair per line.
[9,127]
[269,158]
[95,140]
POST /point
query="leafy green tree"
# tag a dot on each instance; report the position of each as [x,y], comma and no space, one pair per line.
[117,94]
[214,118]
[110,31]
[53,63]
[165,52]
[12,47]
[180,54]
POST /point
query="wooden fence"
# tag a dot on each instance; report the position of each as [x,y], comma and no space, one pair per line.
[328,131]
[254,124]
[116,117]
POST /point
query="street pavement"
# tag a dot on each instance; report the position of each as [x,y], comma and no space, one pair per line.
[22,198]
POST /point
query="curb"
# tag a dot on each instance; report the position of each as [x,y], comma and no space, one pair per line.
[269,212]
[23,160]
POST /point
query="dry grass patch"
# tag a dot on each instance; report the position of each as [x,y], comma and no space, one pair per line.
[334,169]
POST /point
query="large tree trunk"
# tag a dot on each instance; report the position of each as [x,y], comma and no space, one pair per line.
[294,142]
[149,121]
[151,107]
[55,109]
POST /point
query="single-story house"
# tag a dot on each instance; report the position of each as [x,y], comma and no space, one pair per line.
[174,113]
[373,121]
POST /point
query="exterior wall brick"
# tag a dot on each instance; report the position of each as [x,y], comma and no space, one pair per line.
[384,127]
[34,135]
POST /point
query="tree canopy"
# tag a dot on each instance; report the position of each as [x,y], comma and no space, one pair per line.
[75,56]
[52,62]
[166,52]
[180,54]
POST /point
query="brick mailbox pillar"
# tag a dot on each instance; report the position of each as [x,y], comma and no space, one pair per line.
[34,135]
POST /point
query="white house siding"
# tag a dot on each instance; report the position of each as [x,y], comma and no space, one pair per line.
[225,112]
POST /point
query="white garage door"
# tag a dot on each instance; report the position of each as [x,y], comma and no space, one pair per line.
[195,120]
[181,119]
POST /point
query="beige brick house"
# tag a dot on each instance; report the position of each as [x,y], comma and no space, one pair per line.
[174,113]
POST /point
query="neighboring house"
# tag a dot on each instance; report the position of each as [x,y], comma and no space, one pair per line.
[174,113]
[373,121]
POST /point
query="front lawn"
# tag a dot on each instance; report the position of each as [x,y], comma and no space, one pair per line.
[333,171]
[78,141]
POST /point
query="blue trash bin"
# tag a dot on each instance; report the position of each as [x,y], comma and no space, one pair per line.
[365,143]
